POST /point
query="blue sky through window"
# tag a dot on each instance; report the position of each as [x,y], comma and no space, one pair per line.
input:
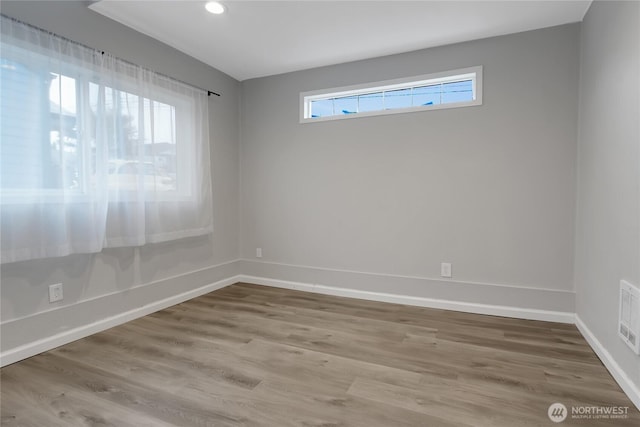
[345,105]
[408,97]
[457,92]
[371,102]
[447,89]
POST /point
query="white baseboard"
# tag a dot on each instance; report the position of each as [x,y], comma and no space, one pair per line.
[31,349]
[631,389]
[493,310]
[38,346]
[54,340]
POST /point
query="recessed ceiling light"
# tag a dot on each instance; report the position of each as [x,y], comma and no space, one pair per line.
[214,7]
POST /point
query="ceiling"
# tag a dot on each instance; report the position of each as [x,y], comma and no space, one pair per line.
[261,38]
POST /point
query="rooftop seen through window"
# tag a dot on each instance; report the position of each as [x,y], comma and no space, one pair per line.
[449,89]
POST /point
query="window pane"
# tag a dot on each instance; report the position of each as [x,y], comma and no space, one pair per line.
[397,99]
[63,134]
[396,96]
[39,130]
[24,131]
[370,102]
[457,92]
[62,92]
[133,175]
[346,105]
[322,108]
[426,95]
[127,123]
[142,141]
[160,145]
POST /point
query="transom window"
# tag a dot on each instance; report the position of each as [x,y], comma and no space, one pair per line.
[457,88]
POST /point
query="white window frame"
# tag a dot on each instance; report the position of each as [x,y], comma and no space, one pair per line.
[472,73]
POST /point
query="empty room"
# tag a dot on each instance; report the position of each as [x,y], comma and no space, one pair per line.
[320,213]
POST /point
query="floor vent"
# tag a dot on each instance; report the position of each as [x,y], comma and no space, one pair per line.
[629,323]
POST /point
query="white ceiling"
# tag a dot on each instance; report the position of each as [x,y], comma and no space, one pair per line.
[261,38]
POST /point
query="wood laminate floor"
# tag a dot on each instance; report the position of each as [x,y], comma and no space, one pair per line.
[259,356]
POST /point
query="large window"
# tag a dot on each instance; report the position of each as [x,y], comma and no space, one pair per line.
[457,88]
[95,151]
[50,135]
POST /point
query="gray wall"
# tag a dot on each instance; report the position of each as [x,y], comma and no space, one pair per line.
[490,189]
[120,271]
[608,209]
[377,203]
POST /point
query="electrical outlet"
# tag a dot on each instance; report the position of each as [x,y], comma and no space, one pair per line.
[445,269]
[258,252]
[55,292]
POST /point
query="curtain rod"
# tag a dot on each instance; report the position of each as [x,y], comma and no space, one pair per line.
[209,92]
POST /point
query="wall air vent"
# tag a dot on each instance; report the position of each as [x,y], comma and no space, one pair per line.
[629,322]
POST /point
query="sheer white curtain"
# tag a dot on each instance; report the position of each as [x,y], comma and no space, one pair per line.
[95,152]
